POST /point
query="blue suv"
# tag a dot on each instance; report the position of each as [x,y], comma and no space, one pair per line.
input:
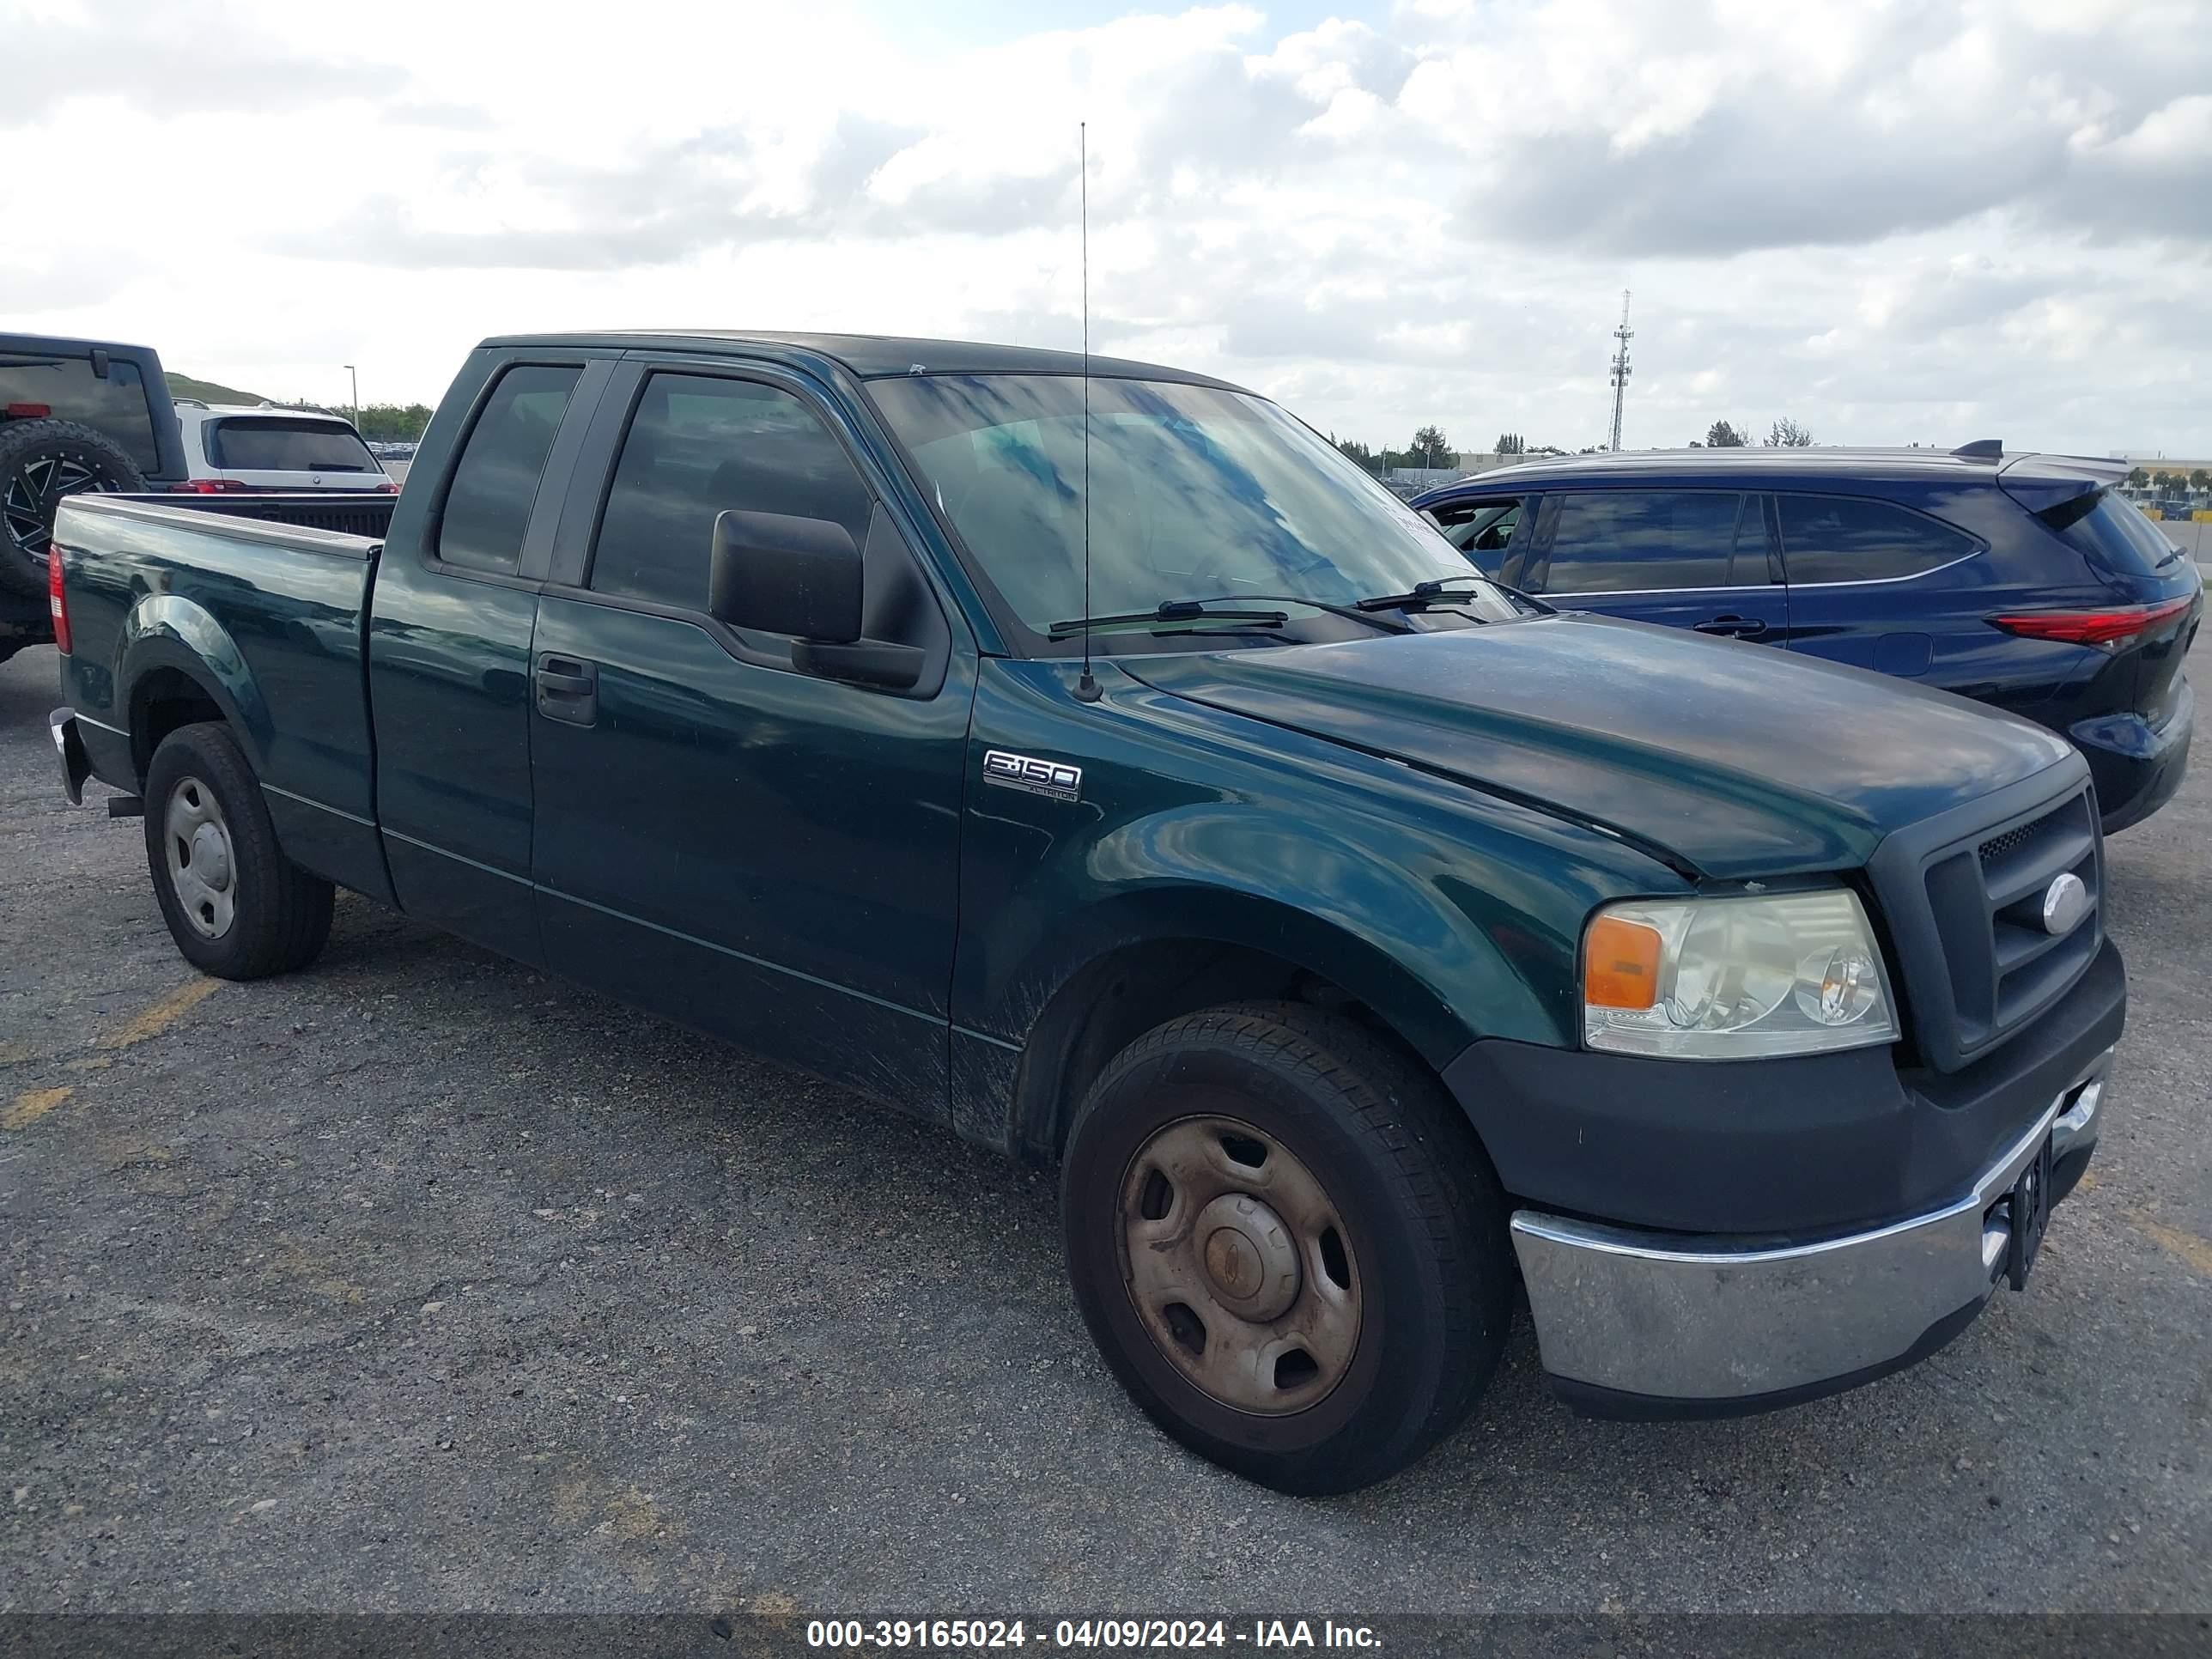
[2023,582]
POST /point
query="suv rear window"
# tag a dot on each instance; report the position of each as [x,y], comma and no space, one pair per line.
[2114,532]
[1849,538]
[70,391]
[257,443]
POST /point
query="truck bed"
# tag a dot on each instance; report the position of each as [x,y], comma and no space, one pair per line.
[166,593]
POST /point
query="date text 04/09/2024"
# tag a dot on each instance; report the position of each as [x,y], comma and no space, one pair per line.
[1112,1633]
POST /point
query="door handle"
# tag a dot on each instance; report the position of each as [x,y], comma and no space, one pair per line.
[567,689]
[1732,627]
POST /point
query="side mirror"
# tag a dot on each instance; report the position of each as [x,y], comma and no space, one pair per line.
[779,574]
[774,573]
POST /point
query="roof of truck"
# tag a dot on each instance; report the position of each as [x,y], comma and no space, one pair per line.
[869,357]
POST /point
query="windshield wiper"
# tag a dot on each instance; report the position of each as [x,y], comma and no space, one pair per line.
[1174,612]
[1433,593]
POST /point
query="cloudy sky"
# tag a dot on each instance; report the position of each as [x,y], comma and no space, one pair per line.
[1892,222]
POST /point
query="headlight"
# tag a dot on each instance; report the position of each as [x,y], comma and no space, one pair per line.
[1735,978]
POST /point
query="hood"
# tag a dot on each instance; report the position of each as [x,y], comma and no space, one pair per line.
[1737,760]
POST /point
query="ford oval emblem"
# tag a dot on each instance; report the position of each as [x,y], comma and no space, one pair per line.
[2065,902]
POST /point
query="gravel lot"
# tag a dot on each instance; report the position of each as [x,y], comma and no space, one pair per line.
[420,1280]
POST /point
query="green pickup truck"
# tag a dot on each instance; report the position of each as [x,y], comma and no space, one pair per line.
[1084,755]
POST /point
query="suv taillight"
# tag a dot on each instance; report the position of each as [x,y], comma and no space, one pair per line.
[207,487]
[2104,627]
[57,600]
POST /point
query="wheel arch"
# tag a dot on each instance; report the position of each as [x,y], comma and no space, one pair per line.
[1149,964]
[179,665]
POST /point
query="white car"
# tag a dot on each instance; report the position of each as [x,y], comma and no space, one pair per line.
[263,448]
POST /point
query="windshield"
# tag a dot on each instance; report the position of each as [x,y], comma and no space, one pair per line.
[1195,494]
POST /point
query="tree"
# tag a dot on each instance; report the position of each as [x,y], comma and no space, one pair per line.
[393,423]
[1786,434]
[1431,448]
[1358,451]
[2137,478]
[1722,435]
[1512,443]
[2200,478]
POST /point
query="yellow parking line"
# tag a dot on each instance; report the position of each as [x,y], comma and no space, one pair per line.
[32,1105]
[162,1015]
[2195,1252]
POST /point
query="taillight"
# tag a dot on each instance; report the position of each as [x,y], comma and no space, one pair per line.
[57,599]
[387,488]
[208,487]
[29,412]
[2093,627]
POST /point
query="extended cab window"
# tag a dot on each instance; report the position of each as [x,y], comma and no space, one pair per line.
[697,447]
[488,508]
[67,389]
[1631,541]
[1845,539]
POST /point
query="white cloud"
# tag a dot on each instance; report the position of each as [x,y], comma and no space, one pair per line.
[1893,221]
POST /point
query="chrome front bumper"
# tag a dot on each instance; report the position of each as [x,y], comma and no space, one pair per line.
[1649,1324]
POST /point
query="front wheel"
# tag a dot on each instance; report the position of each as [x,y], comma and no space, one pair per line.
[1288,1244]
[236,906]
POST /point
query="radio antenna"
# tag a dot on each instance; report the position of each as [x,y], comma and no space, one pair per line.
[1086,687]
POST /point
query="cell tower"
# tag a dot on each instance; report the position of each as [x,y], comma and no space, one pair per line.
[1620,369]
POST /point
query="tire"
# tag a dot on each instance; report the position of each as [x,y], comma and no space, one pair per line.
[41,462]
[236,906]
[1378,1155]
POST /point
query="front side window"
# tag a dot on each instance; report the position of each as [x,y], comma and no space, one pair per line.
[1634,541]
[257,443]
[67,389]
[1849,538]
[1194,493]
[1483,531]
[697,447]
[495,484]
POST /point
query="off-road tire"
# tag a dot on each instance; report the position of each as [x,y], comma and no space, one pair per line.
[281,915]
[1417,1195]
[27,513]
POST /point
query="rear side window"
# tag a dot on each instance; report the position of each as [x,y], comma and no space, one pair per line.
[697,447]
[1629,541]
[2114,532]
[495,486]
[1846,538]
[256,443]
[67,389]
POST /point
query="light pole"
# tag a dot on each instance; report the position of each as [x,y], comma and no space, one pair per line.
[355,378]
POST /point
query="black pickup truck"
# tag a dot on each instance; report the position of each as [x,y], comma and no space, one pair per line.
[1088,757]
[75,415]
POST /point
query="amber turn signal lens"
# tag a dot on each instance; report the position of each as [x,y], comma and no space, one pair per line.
[1620,965]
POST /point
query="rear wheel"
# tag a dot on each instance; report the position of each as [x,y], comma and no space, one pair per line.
[41,464]
[1288,1244]
[236,906]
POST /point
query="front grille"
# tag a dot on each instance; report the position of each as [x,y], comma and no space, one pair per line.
[1967,913]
